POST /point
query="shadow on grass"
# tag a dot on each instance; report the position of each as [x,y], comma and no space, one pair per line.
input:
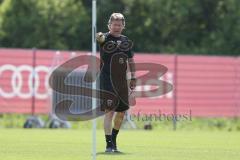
[113,153]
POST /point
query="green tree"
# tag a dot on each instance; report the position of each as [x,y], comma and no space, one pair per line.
[170,26]
[53,24]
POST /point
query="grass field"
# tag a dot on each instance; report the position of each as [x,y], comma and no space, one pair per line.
[20,144]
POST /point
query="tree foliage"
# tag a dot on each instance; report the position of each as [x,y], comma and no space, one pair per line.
[53,24]
[172,26]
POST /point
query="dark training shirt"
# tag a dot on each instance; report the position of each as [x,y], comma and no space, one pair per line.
[111,46]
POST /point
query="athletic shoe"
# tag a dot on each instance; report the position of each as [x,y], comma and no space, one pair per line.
[109,150]
[115,150]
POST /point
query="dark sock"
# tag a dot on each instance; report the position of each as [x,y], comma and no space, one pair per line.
[114,137]
[109,141]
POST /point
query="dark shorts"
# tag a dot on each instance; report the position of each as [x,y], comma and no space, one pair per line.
[119,88]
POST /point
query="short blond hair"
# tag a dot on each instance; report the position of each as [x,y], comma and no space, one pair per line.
[116,16]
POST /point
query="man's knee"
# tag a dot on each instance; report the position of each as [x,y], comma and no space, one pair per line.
[109,114]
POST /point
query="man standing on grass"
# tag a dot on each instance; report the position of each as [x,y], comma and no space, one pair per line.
[115,55]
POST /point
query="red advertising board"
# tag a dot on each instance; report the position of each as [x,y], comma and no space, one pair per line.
[206,86]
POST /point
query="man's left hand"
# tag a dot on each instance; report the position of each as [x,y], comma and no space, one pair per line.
[133,84]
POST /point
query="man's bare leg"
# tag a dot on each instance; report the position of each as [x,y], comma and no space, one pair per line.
[108,129]
[108,122]
[117,125]
[118,120]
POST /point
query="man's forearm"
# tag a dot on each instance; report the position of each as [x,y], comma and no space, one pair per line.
[132,68]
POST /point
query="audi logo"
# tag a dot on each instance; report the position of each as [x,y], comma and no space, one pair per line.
[18,81]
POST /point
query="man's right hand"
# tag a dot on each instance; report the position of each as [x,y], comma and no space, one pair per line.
[100,37]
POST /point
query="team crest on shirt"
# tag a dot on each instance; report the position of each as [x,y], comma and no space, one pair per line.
[118,43]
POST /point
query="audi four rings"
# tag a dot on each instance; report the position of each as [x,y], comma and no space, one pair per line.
[17,79]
